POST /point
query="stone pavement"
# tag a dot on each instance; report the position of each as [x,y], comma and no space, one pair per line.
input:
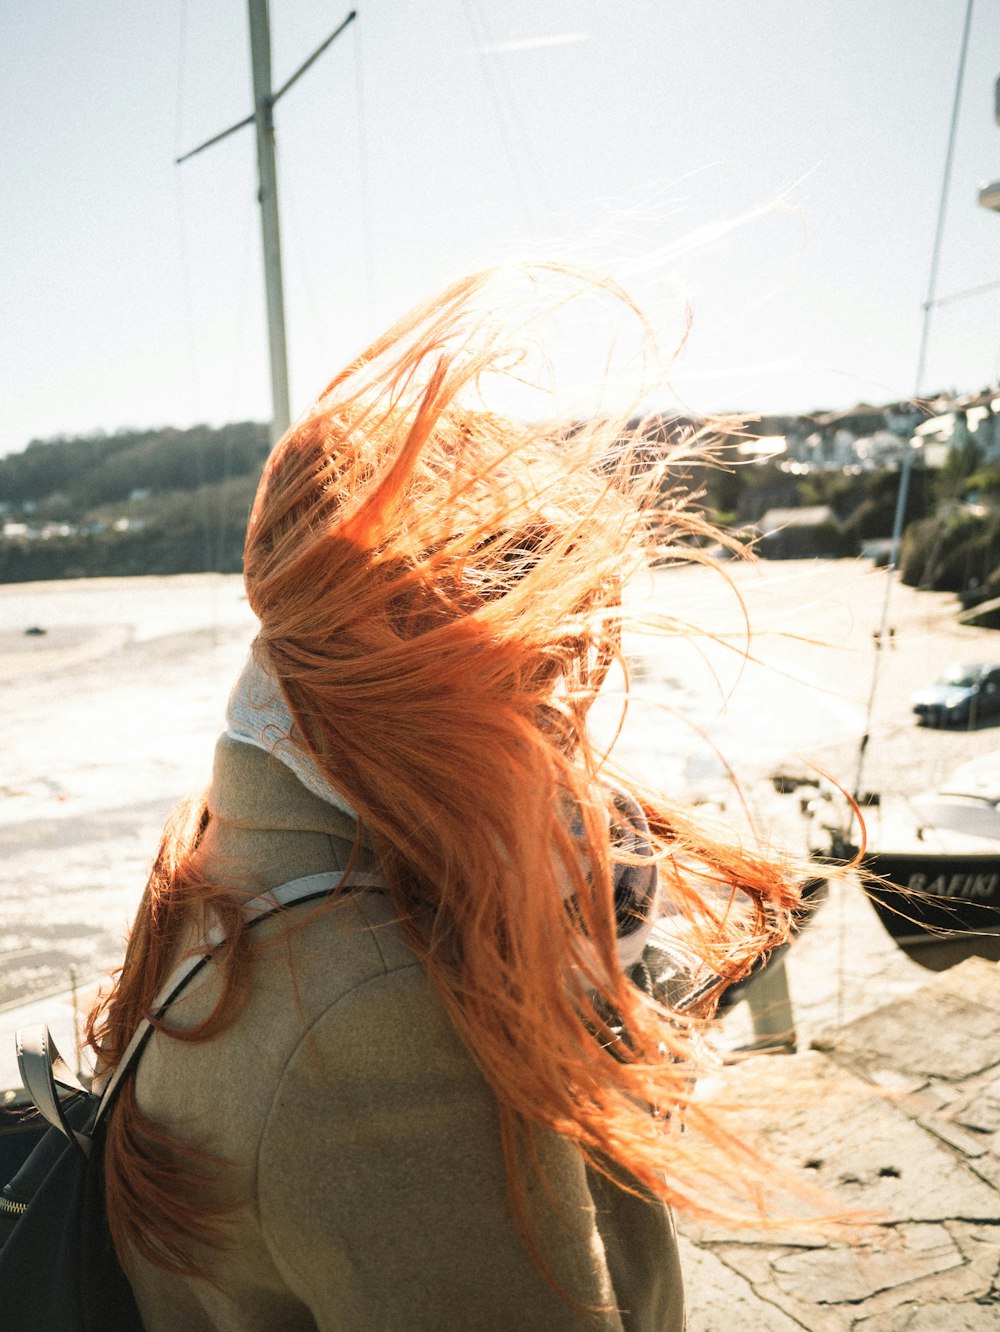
[894,1116]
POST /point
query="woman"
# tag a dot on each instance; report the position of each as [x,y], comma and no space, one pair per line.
[440,1099]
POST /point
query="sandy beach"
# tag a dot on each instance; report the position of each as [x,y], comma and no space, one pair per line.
[111,714]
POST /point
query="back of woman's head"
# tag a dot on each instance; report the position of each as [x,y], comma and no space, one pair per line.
[439,590]
[440,596]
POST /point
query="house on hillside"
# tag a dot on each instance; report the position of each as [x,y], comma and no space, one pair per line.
[792,429]
[951,422]
[981,413]
[864,435]
[800,533]
[936,437]
[763,447]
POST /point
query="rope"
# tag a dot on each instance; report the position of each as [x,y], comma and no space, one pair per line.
[481,40]
[364,184]
[181,75]
[904,478]
[320,332]
[966,292]
[187,287]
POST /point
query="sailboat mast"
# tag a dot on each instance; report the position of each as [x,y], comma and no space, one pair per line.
[264,101]
[881,638]
[931,301]
[260,53]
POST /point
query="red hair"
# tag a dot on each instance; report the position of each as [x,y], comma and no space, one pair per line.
[439,592]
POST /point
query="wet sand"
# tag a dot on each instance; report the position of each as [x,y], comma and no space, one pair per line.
[110,721]
[109,718]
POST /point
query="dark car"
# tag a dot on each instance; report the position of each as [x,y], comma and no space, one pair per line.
[963,696]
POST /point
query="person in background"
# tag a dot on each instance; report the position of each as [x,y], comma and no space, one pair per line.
[450,1095]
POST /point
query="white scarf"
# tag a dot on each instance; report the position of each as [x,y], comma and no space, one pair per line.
[258,714]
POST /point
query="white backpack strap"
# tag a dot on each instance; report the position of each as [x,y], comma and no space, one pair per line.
[310,888]
[42,1067]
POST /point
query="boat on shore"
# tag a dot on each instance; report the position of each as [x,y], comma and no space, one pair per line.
[932,861]
[935,859]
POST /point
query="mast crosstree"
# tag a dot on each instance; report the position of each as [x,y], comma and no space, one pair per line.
[263,117]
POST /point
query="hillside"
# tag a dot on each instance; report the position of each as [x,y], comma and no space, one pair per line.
[136,502]
[176,501]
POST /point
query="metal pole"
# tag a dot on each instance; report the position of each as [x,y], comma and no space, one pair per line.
[907,465]
[771,1011]
[263,117]
[260,51]
[897,526]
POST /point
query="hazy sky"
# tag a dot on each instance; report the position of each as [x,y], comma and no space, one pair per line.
[434,138]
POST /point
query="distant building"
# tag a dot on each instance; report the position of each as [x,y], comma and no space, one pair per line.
[957,421]
[799,533]
[884,449]
[935,439]
[809,515]
[763,446]
[981,413]
[864,435]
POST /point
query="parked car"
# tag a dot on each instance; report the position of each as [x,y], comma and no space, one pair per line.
[962,696]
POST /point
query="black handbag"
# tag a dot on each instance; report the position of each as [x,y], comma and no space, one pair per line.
[58,1269]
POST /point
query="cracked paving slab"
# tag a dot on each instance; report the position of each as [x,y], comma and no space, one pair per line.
[921,1171]
[948,1029]
[719,1297]
[896,1272]
[853,1145]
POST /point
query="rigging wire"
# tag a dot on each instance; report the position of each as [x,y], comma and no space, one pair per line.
[480,40]
[237,364]
[966,292]
[943,205]
[364,181]
[904,478]
[181,77]
[181,216]
[319,329]
[538,180]
[882,636]
[187,287]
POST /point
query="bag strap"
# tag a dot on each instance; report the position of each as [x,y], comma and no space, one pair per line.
[40,1063]
[42,1067]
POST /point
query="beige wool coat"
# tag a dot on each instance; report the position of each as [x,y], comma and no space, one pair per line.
[362,1139]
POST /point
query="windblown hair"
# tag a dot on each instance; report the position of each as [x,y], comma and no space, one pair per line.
[439,590]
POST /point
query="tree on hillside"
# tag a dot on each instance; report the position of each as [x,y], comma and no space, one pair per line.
[97,469]
[953,552]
